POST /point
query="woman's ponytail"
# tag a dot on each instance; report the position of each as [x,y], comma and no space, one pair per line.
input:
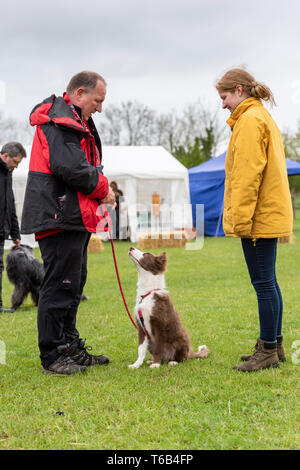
[261,91]
[235,77]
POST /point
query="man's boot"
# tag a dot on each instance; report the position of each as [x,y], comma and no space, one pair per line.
[264,357]
[280,351]
[83,358]
[64,364]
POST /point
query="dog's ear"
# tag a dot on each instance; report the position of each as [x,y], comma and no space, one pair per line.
[161,261]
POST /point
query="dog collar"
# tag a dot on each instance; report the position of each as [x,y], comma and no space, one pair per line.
[145,295]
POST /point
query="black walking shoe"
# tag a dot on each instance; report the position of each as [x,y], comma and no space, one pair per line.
[83,358]
[64,364]
[7,310]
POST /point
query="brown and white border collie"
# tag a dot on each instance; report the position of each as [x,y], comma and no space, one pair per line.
[160,330]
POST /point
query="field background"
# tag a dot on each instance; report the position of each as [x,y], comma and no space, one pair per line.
[201,404]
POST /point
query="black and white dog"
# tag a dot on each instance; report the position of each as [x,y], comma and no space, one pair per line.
[25,272]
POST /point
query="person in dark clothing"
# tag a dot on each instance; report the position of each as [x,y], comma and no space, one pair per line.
[10,157]
[65,189]
[118,194]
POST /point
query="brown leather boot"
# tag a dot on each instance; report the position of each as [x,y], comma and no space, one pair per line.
[264,357]
[280,351]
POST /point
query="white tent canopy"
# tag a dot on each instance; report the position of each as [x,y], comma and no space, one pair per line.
[140,172]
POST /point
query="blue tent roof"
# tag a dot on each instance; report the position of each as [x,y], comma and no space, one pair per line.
[293,168]
[214,165]
[207,187]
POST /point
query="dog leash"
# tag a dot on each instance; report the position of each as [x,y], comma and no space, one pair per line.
[105,226]
[118,277]
[142,322]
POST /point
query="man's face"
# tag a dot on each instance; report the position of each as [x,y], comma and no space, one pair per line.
[91,102]
[11,162]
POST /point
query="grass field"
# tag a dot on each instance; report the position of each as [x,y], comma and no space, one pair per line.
[197,405]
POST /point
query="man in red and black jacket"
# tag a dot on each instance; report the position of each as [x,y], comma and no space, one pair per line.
[63,192]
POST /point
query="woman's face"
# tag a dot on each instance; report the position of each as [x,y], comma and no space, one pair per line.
[230,99]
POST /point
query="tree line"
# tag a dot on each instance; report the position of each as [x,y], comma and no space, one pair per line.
[193,135]
[15,129]
[291,142]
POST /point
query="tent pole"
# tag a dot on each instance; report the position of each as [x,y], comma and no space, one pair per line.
[220,217]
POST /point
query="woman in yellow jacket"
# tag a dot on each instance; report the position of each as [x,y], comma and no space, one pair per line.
[257,203]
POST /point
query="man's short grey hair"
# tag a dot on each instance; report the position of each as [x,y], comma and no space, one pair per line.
[86,79]
[14,149]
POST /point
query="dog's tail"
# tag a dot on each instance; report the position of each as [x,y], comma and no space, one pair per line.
[202,353]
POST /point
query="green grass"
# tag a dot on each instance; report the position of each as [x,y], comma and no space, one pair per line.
[197,405]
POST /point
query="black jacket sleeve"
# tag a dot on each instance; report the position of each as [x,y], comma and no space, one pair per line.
[14,229]
[68,161]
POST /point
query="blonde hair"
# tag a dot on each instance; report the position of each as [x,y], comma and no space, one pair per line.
[251,87]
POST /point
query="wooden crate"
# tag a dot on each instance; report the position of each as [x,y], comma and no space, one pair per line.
[150,240]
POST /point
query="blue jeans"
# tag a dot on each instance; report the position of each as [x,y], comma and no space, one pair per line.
[261,261]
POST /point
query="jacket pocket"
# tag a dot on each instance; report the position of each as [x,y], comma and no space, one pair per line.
[39,203]
[68,210]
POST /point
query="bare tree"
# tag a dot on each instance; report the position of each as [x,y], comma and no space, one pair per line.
[169,130]
[111,127]
[200,121]
[13,129]
[133,123]
[139,121]
[291,142]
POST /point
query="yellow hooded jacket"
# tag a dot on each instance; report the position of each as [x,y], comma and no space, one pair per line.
[257,200]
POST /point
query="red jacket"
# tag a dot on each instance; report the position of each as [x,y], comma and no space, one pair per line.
[64,186]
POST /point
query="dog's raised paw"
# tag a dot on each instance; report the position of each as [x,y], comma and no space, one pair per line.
[155,365]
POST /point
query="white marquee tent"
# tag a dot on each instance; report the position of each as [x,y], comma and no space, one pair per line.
[140,172]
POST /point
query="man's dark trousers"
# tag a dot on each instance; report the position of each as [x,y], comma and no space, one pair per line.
[1,266]
[65,262]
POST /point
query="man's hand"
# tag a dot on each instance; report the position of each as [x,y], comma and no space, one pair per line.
[17,241]
[110,198]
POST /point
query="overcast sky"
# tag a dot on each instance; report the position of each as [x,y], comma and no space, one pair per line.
[163,53]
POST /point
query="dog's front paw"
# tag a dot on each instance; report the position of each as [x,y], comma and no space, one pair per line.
[172,363]
[134,366]
[155,365]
